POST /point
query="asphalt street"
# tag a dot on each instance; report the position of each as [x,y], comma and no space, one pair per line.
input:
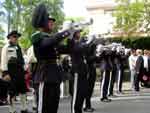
[129,102]
[120,104]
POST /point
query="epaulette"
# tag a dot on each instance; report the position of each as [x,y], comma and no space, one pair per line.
[36,37]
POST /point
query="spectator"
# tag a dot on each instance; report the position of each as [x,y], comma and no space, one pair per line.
[132,63]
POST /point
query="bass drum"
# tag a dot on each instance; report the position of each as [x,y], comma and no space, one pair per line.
[145,81]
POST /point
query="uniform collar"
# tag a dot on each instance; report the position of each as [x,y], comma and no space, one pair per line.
[11,44]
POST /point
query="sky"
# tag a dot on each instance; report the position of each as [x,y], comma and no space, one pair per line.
[75,8]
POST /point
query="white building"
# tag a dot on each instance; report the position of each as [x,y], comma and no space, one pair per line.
[101,12]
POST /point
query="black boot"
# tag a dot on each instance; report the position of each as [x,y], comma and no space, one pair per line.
[105,99]
[25,111]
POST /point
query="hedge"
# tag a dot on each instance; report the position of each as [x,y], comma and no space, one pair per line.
[133,42]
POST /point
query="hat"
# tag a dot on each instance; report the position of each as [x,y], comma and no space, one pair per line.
[13,33]
[77,30]
[51,18]
[41,17]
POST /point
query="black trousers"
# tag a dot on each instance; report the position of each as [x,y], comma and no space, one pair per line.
[136,82]
[17,87]
[17,83]
[3,89]
[79,93]
[105,83]
[71,83]
[120,74]
[91,83]
[49,95]
[112,81]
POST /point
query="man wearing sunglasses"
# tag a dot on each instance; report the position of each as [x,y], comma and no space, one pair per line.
[12,64]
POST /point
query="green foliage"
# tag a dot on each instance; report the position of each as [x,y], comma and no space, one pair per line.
[129,16]
[2,32]
[25,42]
[132,17]
[134,42]
[85,31]
[2,43]
[76,19]
[18,14]
[146,16]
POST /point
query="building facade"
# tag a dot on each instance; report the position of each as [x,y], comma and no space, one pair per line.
[101,13]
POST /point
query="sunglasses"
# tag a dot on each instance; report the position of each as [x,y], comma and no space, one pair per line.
[14,36]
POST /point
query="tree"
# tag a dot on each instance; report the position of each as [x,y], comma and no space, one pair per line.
[8,6]
[129,16]
[2,32]
[146,17]
[18,14]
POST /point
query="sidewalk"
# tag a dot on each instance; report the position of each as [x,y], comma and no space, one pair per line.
[126,88]
[126,91]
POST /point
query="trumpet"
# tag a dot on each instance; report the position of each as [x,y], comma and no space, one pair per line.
[72,26]
[114,47]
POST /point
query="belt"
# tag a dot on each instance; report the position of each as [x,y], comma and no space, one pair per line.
[51,61]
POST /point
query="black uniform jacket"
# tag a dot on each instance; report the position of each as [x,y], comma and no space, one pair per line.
[46,49]
[139,65]
[78,50]
[106,63]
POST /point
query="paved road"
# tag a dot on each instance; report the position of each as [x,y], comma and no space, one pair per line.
[127,103]
[121,104]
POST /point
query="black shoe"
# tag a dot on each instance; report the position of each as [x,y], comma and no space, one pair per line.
[89,109]
[110,95]
[119,93]
[34,108]
[13,112]
[105,100]
[25,111]
[3,103]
